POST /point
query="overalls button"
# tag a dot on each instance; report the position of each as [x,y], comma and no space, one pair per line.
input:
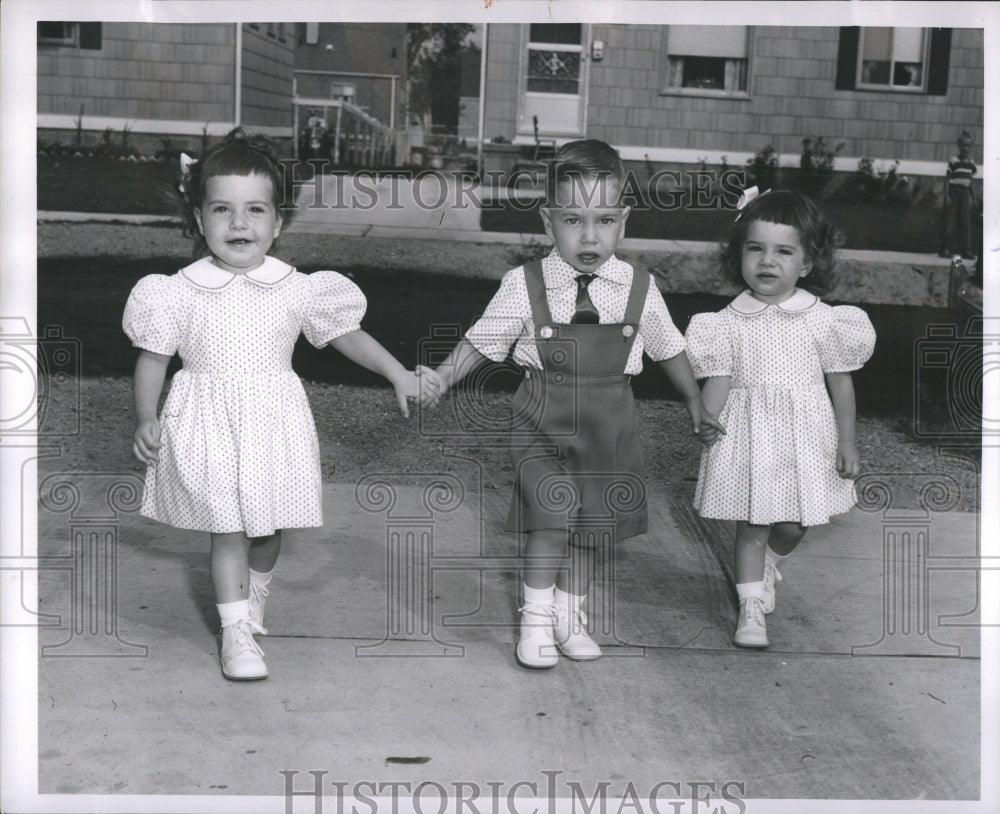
[627,330]
[546,332]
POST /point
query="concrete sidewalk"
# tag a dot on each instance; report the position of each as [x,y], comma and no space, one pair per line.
[440,207]
[391,644]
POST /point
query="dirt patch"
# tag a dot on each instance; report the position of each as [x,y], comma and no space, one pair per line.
[361,433]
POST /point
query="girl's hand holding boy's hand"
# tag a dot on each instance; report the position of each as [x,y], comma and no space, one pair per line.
[146,440]
[407,386]
[422,385]
[431,386]
[704,425]
[709,434]
[848,460]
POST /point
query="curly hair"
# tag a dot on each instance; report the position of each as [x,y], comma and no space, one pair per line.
[820,238]
[239,153]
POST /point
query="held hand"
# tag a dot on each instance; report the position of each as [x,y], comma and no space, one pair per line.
[708,435]
[702,420]
[431,386]
[407,387]
[146,441]
[848,461]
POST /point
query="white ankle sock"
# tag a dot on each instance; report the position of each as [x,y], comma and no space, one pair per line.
[568,600]
[541,596]
[744,590]
[774,559]
[231,612]
[261,577]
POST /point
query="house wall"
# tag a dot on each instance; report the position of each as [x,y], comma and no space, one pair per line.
[267,72]
[143,71]
[503,58]
[792,96]
[173,80]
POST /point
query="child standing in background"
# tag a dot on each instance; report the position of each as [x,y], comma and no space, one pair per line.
[960,203]
[579,322]
[235,451]
[776,363]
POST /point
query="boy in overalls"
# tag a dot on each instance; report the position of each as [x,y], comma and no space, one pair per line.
[579,322]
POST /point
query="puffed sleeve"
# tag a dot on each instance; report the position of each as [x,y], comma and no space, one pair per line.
[708,346]
[335,307]
[151,320]
[847,340]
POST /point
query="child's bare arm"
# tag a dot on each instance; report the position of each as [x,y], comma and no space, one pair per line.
[714,392]
[150,373]
[463,359]
[363,349]
[841,387]
[678,370]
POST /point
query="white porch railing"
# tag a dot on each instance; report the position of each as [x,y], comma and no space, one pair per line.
[338,130]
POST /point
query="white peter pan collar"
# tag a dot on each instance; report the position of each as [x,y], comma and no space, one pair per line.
[206,275]
[746,303]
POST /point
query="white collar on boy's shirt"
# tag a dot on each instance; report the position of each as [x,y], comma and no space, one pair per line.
[747,303]
[557,273]
[205,274]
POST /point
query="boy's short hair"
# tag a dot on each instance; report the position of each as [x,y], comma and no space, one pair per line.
[584,158]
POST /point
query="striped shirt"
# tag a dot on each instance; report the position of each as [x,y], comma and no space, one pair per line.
[961,171]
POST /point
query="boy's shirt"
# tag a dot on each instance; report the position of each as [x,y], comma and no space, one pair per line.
[507,319]
[961,171]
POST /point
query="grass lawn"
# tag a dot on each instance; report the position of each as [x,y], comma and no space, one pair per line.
[145,188]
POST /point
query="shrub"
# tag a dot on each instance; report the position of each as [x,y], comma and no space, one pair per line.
[816,165]
[883,185]
[762,169]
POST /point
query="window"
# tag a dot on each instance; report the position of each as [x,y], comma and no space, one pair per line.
[554,56]
[312,33]
[892,57]
[707,59]
[905,60]
[71,35]
[57,33]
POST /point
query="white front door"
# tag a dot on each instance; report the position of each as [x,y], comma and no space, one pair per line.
[553,83]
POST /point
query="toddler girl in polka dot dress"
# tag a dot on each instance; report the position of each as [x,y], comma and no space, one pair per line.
[234,451]
[776,362]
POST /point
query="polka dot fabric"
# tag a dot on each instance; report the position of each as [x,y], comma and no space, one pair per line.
[239,448]
[777,460]
[507,319]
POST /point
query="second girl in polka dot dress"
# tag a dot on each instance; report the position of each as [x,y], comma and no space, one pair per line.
[235,451]
[777,364]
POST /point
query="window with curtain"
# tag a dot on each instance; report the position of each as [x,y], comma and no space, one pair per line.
[905,60]
[892,58]
[711,59]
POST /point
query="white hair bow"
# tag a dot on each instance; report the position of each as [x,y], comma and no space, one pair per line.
[749,194]
[186,163]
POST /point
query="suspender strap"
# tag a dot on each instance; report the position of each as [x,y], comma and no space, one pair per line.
[636,297]
[541,315]
[535,283]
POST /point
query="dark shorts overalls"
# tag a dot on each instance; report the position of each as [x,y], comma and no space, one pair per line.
[574,439]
